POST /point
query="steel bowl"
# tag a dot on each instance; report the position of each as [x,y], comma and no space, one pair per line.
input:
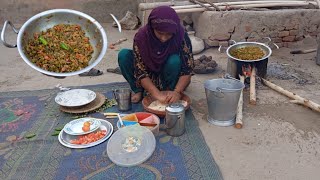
[48,19]
[266,49]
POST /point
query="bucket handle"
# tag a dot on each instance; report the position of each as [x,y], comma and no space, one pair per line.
[219,92]
[174,124]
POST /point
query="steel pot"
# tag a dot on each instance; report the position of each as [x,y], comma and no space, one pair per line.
[47,19]
[266,49]
[234,66]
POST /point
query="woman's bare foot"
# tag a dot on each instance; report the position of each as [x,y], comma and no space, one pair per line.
[136,97]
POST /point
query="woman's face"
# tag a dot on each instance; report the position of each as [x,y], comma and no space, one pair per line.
[163,36]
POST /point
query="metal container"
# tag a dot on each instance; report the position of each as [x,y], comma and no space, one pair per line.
[234,66]
[175,119]
[123,98]
[222,99]
[48,19]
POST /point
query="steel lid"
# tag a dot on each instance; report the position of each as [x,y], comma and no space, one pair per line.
[175,108]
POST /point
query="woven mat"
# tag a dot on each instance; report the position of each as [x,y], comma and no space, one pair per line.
[43,157]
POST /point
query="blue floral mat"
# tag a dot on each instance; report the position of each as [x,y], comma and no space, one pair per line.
[28,113]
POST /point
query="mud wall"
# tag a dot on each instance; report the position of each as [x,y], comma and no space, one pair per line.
[284,27]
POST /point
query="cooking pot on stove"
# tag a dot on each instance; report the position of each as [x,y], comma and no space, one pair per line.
[234,67]
[47,19]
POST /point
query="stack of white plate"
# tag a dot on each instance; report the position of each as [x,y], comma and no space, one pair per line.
[73,130]
[75,97]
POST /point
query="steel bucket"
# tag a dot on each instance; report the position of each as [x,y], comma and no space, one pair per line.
[222,99]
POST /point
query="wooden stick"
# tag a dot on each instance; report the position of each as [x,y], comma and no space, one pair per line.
[213,5]
[239,116]
[244,7]
[202,5]
[253,99]
[296,98]
[241,3]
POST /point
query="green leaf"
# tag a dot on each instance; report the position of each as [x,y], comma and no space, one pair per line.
[165,139]
[175,141]
[56,133]
[58,128]
[30,135]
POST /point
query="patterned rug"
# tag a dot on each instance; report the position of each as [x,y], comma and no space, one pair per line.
[34,113]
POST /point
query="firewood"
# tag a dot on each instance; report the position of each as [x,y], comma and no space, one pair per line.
[296,98]
[253,99]
[239,116]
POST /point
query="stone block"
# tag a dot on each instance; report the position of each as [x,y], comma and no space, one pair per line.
[273,34]
[283,33]
[288,38]
[279,44]
[276,40]
[293,32]
[220,37]
[211,43]
[224,43]
[299,38]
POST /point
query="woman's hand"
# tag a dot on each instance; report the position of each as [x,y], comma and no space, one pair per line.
[172,96]
[162,97]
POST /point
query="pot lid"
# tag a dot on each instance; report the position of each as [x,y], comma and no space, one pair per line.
[131,145]
[175,108]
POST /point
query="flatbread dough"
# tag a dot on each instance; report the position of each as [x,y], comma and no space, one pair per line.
[158,106]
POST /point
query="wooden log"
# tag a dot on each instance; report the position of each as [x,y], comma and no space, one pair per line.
[296,98]
[253,99]
[234,7]
[239,116]
[202,5]
[241,3]
[318,53]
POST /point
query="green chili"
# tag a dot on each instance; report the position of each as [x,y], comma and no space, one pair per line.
[43,41]
[64,46]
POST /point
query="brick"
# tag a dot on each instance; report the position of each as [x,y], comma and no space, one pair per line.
[276,40]
[223,43]
[314,33]
[283,33]
[220,37]
[288,38]
[299,38]
[231,30]
[280,44]
[273,34]
[290,27]
[211,43]
[247,28]
[293,32]
[280,28]
[252,40]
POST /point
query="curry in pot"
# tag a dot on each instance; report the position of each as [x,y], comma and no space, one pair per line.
[62,48]
[248,53]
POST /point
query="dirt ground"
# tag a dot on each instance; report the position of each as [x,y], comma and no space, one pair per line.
[279,140]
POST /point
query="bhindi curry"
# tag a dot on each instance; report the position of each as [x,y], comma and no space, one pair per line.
[62,48]
[248,53]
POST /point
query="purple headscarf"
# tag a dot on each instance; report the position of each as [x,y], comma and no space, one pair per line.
[153,52]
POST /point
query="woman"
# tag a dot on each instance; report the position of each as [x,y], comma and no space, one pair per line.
[161,61]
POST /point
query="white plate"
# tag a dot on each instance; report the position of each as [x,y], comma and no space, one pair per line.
[75,127]
[75,97]
[65,138]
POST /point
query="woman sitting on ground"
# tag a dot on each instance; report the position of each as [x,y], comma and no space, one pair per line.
[161,61]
